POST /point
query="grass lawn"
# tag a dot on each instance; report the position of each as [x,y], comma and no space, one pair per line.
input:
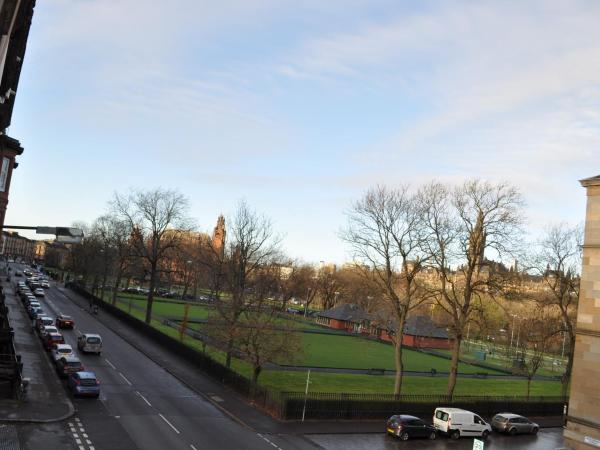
[325,350]
[368,350]
[322,350]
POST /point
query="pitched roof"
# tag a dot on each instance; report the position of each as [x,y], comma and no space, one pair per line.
[425,327]
[415,325]
[348,312]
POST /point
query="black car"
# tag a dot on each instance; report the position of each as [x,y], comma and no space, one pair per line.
[405,427]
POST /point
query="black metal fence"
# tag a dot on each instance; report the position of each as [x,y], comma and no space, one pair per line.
[323,405]
[334,406]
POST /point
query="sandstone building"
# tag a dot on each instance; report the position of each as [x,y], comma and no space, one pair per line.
[583,420]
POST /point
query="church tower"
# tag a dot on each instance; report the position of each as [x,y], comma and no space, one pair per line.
[218,237]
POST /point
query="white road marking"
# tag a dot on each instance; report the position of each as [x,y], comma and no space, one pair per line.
[268,441]
[144,398]
[78,441]
[81,447]
[216,398]
[88,442]
[192,447]
[126,380]
[110,364]
[169,423]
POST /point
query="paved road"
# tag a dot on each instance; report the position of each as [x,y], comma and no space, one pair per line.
[548,439]
[143,406]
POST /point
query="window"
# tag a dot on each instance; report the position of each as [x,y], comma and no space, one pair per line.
[442,415]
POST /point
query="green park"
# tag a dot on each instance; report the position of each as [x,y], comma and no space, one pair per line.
[323,348]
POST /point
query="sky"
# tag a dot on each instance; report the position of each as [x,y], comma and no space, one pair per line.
[298,107]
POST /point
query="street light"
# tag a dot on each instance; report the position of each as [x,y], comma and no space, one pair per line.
[66,235]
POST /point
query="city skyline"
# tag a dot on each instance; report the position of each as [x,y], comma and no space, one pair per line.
[300,109]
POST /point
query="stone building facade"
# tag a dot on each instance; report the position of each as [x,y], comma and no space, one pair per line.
[582,430]
[17,247]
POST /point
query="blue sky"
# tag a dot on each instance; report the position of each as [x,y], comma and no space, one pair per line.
[299,107]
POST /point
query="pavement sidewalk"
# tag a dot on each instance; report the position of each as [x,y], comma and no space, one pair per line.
[225,399]
[46,399]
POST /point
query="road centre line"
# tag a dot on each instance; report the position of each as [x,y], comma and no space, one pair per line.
[110,364]
[169,423]
[143,398]
[126,380]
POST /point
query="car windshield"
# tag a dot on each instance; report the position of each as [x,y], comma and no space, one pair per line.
[74,364]
[64,350]
[93,340]
[442,415]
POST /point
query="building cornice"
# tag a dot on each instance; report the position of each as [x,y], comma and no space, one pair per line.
[592,181]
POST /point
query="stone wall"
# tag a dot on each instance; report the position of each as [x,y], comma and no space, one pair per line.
[583,421]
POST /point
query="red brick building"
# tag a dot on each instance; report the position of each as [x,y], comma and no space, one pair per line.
[419,331]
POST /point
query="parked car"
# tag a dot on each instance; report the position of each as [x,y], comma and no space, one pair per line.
[62,350]
[18,274]
[84,383]
[67,365]
[35,312]
[457,422]
[39,292]
[90,343]
[45,284]
[47,330]
[43,321]
[64,321]
[405,427]
[513,424]
[51,340]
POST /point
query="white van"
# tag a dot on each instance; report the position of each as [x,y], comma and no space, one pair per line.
[90,343]
[457,422]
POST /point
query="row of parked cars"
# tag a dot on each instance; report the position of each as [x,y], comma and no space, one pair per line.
[456,422]
[67,363]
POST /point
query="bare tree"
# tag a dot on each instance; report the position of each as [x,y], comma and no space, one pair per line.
[385,234]
[462,224]
[534,343]
[263,338]
[558,264]
[157,219]
[245,271]
[327,286]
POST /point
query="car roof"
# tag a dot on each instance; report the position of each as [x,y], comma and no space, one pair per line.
[509,415]
[405,417]
[64,346]
[86,374]
[453,410]
[91,335]
[55,335]
[71,358]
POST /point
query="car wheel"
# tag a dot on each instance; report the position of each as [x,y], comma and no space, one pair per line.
[535,430]
[404,436]
[432,435]
[512,431]
[454,434]
[485,434]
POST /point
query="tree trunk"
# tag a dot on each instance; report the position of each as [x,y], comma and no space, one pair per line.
[256,373]
[399,366]
[229,352]
[116,287]
[566,378]
[454,365]
[528,386]
[151,293]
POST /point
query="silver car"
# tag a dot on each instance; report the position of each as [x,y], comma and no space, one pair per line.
[514,424]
